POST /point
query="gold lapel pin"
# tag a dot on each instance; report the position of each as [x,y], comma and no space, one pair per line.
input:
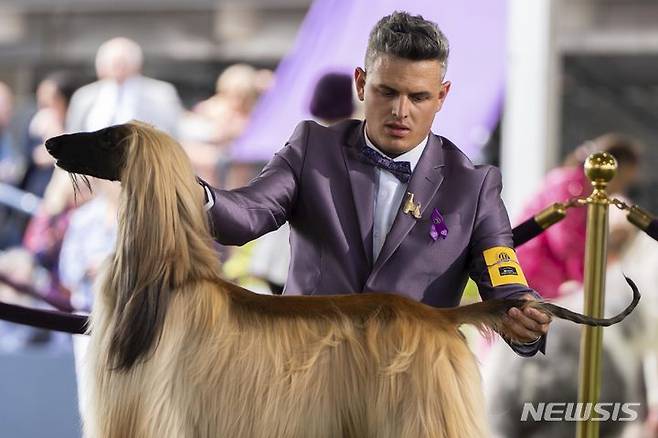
[411,207]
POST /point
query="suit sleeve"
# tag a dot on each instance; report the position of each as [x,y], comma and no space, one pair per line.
[241,215]
[492,261]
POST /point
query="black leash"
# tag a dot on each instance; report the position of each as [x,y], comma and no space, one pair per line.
[45,319]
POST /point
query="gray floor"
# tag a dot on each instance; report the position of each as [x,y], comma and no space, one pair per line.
[38,395]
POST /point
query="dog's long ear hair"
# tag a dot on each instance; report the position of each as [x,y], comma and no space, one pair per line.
[163,242]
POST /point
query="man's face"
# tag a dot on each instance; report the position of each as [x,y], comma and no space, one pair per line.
[401,97]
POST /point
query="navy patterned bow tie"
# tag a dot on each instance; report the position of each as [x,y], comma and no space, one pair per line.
[400,169]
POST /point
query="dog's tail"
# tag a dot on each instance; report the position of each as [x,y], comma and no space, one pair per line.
[487,315]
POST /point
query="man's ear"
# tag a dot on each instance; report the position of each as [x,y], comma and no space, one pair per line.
[360,81]
[443,93]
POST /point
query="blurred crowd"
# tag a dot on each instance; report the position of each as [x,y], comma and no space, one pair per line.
[50,255]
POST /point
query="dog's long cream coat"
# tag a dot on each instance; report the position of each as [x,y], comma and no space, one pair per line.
[223,370]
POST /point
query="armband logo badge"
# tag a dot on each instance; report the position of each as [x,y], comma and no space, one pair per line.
[507,270]
[503,257]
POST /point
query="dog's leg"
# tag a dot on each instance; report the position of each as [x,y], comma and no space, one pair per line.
[429,384]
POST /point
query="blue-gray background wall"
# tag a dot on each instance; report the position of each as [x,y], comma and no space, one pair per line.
[38,395]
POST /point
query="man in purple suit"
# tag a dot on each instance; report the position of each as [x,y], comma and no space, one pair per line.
[384,204]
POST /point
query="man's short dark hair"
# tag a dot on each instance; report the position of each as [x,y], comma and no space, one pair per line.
[407,36]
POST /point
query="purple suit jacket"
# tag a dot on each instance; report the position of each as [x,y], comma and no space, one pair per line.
[319,184]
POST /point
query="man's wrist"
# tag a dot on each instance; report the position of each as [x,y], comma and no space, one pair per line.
[527,344]
[209,199]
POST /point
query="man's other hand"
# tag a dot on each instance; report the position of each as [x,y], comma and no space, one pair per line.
[525,326]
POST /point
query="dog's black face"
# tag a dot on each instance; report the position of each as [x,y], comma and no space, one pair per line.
[100,154]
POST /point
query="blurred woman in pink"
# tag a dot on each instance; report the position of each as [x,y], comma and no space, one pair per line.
[557,255]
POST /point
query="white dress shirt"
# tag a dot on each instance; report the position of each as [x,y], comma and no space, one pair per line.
[389,194]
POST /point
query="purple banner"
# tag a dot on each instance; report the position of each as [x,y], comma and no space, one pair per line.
[333,37]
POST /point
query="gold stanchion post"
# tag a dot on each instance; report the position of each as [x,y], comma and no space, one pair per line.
[600,168]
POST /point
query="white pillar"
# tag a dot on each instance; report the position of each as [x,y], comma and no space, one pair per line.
[530,124]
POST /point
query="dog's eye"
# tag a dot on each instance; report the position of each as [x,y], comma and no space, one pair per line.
[107,139]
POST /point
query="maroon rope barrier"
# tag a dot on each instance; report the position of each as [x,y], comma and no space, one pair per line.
[59,304]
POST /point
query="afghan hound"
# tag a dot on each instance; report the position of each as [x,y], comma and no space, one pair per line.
[176,351]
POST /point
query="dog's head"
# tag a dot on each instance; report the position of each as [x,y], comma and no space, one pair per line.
[101,154]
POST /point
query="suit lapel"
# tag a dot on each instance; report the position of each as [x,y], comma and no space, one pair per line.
[362,180]
[425,182]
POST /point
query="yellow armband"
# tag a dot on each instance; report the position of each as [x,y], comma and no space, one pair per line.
[503,266]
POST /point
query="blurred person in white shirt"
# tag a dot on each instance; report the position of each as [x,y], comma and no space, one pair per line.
[122,93]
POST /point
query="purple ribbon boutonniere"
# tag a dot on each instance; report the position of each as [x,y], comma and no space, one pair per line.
[438,228]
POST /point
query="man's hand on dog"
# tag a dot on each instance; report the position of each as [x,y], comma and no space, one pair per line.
[525,326]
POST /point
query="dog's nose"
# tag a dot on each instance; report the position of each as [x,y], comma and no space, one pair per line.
[54,144]
[51,145]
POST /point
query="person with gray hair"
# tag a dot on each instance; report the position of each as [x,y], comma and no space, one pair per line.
[122,93]
[384,204]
